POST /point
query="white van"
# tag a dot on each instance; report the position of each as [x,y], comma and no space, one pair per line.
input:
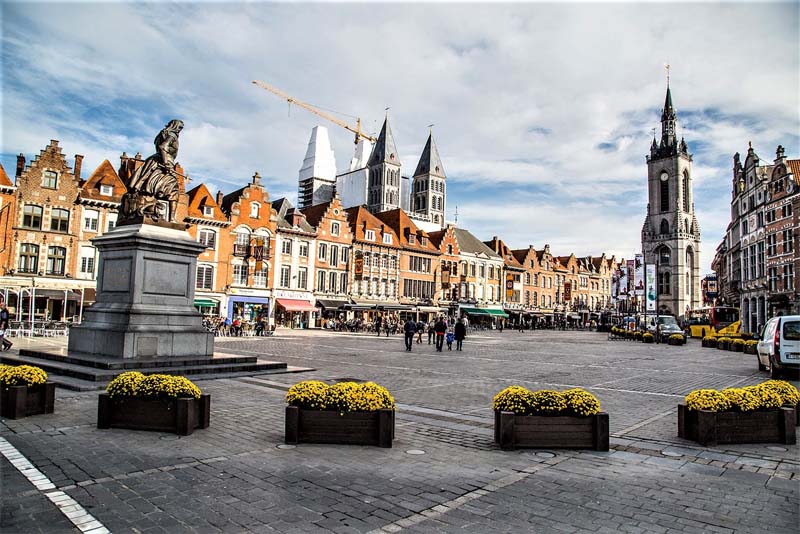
[779,345]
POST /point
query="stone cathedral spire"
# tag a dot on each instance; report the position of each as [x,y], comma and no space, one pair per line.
[383,191]
[428,189]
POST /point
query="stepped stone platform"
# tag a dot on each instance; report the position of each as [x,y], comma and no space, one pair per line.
[84,372]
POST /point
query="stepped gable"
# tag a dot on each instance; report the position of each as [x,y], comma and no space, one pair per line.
[314,214]
[361,220]
[5,181]
[440,236]
[103,175]
[199,198]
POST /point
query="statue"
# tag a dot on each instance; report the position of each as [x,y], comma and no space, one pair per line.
[155,180]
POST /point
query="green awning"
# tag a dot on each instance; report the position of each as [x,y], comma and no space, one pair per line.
[206,303]
[475,311]
[496,313]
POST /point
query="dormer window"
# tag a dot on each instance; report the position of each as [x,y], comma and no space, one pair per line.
[412,239]
[255,210]
[387,239]
[423,241]
[208,211]
[106,190]
[369,235]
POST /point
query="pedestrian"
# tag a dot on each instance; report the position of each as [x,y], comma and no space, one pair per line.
[431,331]
[440,329]
[4,324]
[420,330]
[450,337]
[521,325]
[378,323]
[500,325]
[460,332]
[410,328]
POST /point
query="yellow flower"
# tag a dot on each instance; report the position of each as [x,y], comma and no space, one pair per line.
[742,399]
[581,402]
[707,399]
[28,375]
[788,393]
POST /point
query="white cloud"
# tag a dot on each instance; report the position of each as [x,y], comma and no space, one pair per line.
[550,104]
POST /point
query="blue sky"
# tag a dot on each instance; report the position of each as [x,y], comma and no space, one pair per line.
[543,112]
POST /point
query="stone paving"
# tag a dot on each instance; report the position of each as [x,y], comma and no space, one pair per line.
[233,477]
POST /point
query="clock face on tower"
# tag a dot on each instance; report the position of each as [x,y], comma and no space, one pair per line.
[664,176]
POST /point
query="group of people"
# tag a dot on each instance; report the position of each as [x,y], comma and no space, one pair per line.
[439,331]
[236,327]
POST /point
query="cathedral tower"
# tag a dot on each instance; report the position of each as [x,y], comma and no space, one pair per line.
[383,190]
[428,190]
[671,235]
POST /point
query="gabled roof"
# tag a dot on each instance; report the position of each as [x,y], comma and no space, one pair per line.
[470,244]
[231,198]
[104,174]
[429,161]
[4,179]
[502,250]
[437,238]
[385,148]
[314,214]
[284,208]
[403,226]
[200,197]
[360,220]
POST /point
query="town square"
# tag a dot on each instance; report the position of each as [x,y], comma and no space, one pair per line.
[424,267]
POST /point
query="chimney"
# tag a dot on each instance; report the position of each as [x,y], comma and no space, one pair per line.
[219,198]
[20,164]
[78,164]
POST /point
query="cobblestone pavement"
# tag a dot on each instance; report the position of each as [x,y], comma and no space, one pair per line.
[233,477]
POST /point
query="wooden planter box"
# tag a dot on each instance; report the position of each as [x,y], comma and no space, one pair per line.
[648,340]
[178,415]
[710,343]
[736,347]
[796,409]
[551,432]
[712,428]
[749,349]
[17,402]
[722,345]
[353,428]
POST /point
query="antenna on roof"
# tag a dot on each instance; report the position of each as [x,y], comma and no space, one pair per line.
[456,214]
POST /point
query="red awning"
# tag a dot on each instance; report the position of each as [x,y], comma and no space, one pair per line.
[296,305]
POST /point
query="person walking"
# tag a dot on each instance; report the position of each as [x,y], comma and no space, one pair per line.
[440,329]
[460,332]
[420,330]
[5,318]
[410,328]
[431,331]
[378,323]
[450,337]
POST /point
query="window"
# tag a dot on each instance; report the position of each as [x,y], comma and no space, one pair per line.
[345,255]
[240,274]
[332,282]
[208,211]
[686,204]
[369,235]
[59,220]
[323,252]
[788,277]
[664,226]
[50,179]
[28,258]
[788,243]
[56,257]
[90,218]
[343,283]
[286,275]
[482,270]
[664,283]
[255,210]
[32,216]
[208,238]
[528,278]
[472,269]
[260,277]
[664,195]
[772,279]
[334,228]
[664,256]
[111,221]
[106,190]
[286,246]
[412,239]
[745,227]
[321,281]
[387,239]
[334,255]
[205,277]
[302,278]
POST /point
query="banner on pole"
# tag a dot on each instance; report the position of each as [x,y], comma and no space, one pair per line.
[650,283]
[638,275]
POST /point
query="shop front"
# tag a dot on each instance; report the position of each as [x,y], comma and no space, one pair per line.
[249,304]
[331,309]
[295,309]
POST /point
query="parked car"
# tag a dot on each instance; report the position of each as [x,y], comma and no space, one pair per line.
[778,348]
[664,327]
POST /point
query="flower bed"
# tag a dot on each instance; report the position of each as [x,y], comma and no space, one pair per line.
[549,419]
[161,403]
[648,338]
[736,345]
[723,343]
[676,339]
[753,414]
[709,341]
[25,391]
[345,413]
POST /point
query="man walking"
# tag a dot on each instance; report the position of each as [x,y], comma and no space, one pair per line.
[4,324]
[440,328]
[378,323]
[420,329]
[410,328]
[460,333]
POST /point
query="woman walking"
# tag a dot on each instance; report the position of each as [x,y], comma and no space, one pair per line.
[460,333]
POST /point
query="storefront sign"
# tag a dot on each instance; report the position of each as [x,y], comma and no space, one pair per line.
[258,254]
[509,286]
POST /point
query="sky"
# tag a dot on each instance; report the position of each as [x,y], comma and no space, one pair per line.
[542,113]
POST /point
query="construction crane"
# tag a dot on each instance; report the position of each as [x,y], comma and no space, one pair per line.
[292,100]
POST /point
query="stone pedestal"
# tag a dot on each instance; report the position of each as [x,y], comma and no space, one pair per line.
[145,297]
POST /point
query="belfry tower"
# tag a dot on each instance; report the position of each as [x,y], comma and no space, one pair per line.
[671,234]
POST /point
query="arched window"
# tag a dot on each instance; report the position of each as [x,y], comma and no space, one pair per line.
[663,255]
[664,283]
[690,272]
[686,199]
[255,210]
[665,195]
[664,226]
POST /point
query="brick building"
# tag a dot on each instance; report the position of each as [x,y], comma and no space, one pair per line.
[782,220]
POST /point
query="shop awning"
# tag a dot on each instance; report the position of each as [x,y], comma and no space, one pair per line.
[475,311]
[496,313]
[332,304]
[429,309]
[56,294]
[389,306]
[206,303]
[296,305]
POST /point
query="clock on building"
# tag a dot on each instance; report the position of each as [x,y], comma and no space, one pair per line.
[664,176]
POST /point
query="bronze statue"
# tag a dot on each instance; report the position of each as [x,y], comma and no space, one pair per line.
[155,180]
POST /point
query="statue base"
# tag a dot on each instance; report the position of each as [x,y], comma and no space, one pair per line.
[145,296]
[152,221]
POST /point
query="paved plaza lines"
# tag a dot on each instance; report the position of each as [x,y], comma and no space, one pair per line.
[233,477]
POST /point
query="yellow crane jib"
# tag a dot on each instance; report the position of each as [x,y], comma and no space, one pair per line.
[292,100]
